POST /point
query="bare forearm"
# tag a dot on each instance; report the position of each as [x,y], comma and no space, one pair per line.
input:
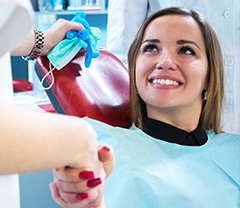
[25,47]
[33,141]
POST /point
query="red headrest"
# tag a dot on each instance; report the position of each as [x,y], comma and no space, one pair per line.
[100,92]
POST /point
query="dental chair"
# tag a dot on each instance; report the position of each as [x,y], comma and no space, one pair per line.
[20,85]
[100,92]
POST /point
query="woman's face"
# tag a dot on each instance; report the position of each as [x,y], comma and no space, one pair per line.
[172,66]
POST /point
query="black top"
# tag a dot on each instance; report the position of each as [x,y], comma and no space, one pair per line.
[169,133]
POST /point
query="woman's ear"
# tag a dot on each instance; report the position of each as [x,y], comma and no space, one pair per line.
[204,95]
[205,89]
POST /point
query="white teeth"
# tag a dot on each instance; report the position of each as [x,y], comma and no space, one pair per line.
[165,82]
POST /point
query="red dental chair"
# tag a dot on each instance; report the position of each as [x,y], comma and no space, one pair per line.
[100,92]
[20,85]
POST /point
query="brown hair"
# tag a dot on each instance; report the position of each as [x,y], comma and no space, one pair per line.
[211,111]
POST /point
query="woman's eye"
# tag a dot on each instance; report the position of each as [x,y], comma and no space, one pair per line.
[187,50]
[150,48]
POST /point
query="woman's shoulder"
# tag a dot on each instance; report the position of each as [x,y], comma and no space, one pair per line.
[224,145]
[224,137]
[105,130]
[102,126]
[224,152]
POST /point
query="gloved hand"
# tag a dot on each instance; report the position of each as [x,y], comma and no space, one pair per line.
[65,50]
[89,35]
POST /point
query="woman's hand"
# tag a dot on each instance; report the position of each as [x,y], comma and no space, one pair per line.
[80,187]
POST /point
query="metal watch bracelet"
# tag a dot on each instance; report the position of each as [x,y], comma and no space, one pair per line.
[38,46]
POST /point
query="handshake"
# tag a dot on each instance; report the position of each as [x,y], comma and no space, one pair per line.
[83,187]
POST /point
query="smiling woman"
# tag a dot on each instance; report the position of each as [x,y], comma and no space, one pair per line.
[173,154]
[190,55]
[174,69]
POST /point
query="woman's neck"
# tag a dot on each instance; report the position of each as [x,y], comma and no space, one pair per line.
[180,118]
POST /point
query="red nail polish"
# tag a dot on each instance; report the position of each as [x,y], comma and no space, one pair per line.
[106,148]
[86,175]
[82,196]
[94,182]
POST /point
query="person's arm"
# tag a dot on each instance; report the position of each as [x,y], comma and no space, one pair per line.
[51,37]
[123,24]
[32,141]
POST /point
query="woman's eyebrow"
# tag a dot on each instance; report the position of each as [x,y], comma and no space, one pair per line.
[151,41]
[187,41]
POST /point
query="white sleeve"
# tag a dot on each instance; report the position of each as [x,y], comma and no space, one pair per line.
[16,18]
[124,19]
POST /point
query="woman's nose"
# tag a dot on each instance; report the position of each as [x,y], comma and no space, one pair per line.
[166,61]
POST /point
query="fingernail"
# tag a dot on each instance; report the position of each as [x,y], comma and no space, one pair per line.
[106,148]
[94,182]
[82,196]
[86,175]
